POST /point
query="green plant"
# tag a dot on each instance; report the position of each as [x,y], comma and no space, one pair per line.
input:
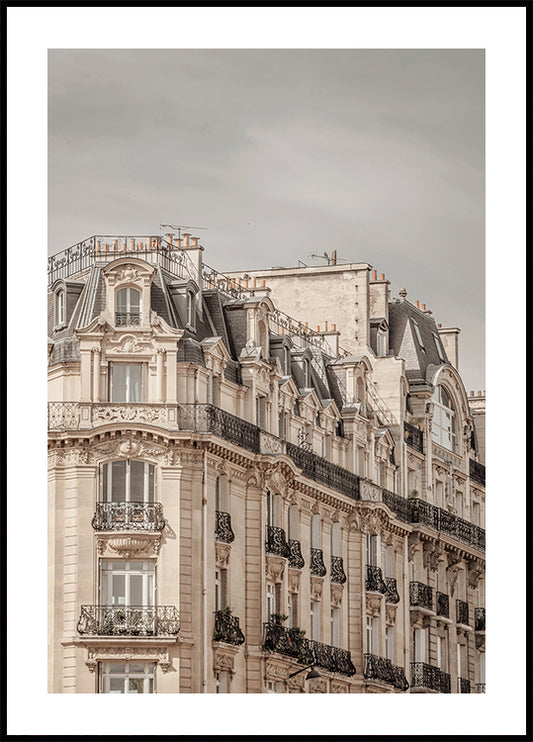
[278,618]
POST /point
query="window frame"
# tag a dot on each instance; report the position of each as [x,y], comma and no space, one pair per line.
[106,481]
[107,583]
[141,366]
[105,675]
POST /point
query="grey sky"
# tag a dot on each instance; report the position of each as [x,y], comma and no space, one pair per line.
[378,154]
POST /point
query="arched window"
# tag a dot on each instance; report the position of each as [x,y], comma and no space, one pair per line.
[128,307]
[360,394]
[60,307]
[263,338]
[307,373]
[191,317]
[128,481]
[443,425]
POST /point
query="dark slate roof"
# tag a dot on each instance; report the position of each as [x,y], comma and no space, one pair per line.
[421,359]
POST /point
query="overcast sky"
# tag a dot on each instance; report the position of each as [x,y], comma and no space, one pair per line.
[378,154]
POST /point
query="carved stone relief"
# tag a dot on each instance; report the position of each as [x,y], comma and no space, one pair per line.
[336,594]
[275,568]
[373,605]
[224,659]
[316,588]
[157,654]
[222,554]
[294,580]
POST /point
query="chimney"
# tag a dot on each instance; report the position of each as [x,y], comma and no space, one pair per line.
[374,275]
[186,240]
[450,340]
[194,241]
[382,277]
[417,304]
[423,307]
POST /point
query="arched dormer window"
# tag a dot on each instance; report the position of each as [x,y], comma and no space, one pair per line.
[360,394]
[307,373]
[60,307]
[128,307]
[444,424]
[191,315]
[286,361]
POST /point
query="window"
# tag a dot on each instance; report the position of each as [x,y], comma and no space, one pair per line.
[439,494]
[481,667]
[381,343]
[307,373]
[221,492]
[126,382]
[419,642]
[283,425]
[222,682]
[389,642]
[315,621]
[361,461]
[221,583]
[372,635]
[126,677]
[335,626]
[294,523]
[460,656]
[275,686]
[60,307]
[389,561]
[260,412]
[128,481]
[335,539]
[128,307]
[292,610]
[190,309]
[475,513]
[440,351]
[271,600]
[418,335]
[315,532]
[212,390]
[443,425]
[127,583]
[459,504]
[272,508]
[373,548]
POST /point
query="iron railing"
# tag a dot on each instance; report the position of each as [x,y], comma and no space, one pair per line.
[442,604]
[430,677]
[296,560]
[392,595]
[424,512]
[479,617]
[287,641]
[413,436]
[128,516]
[398,504]
[131,620]
[127,319]
[227,628]
[461,612]
[380,668]
[333,659]
[318,568]
[477,472]
[63,416]
[205,418]
[337,570]
[480,687]
[463,685]
[323,471]
[276,542]
[421,595]
[223,530]
[374,579]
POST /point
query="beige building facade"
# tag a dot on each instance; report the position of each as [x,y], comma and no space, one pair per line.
[260,482]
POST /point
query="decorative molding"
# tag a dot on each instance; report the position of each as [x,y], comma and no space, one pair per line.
[337,687]
[336,594]
[370,491]
[130,546]
[157,654]
[413,543]
[294,580]
[373,605]
[276,669]
[432,552]
[390,614]
[475,570]
[224,658]
[316,588]
[274,567]
[129,344]
[222,554]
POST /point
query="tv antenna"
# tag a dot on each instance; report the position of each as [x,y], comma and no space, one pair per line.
[330,259]
[178,227]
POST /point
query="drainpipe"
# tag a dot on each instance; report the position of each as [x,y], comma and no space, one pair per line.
[406,611]
[204,572]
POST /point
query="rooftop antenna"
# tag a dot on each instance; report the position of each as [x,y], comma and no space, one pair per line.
[178,227]
[330,259]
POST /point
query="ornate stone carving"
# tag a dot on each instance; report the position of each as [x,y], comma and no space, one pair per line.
[297,682]
[222,554]
[276,669]
[319,685]
[432,551]
[373,605]
[337,687]
[294,580]
[336,594]
[390,614]
[316,588]
[413,543]
[224,659]
[475,571]
[452,572]
[127,273]
[370,491]
[128,344]
[133,546]
[157,654]
[275,567]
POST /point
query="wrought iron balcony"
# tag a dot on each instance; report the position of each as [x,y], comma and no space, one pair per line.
[318,568]
[463,685]
[331,658]
[380,668]
[429,677]
[276,542]
[290,642]
[443,605]
[420,595]
[426,513]
[398,504]
[227,628]
[392,595]
[296,560]
[205,418]
[337,570]
[480,687]
[479,617]
[127,319]
[323,471]
[223,530]
[477,472]
[131,620]
[128,516]
[374,580]
[461,612]
[413,436]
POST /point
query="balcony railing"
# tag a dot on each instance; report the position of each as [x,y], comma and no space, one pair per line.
[205,418]
[420,595]
[318,568]
[337,570]
[398,504]
[392,595]
[67,415]
[374,580]
[477,472]
[296,560]
[413,436]
[227,628]
[425,512]
[127,319]
[128,516]
[461,612]
[463,685]
[430,677]
[132,620]
[442,604]
[223,530]
[331,658]
[380,668]
[290,642]
[276,542]
[323,471]
[479,617]
[480,687]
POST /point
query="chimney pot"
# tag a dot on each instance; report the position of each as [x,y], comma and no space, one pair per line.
[325,326]
[334,327]
[439,325]
[382,277]
[479,394]
[374,275]
[417,304]
[194,241]
[334,257]
[424,307]
[186,240]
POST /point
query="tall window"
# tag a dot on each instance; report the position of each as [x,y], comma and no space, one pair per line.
[439,652]
[315,621]
[260,412]
[222,682]
[128,307]
[190,310]
[221,589]
[126,677]
[372,634]
[389,561]
[294,523]
[128,481]
[60,307]
[212,390]
[127,583]
[270,600]
[221,493]
[373,550]
[335,626]
[272,509]
[126,382]
[283,425]
[292,610]
[418,335]
[389,641]
[419,641]
[335,539]
[315,532]
[443,425]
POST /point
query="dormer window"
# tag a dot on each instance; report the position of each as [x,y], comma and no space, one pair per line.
[286,361]
[128,307]
[418,335]
[307,373]
[443,424]
[60,307]
[440,351]
[190,309]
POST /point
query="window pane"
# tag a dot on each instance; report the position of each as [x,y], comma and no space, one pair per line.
[118,481]
[135,668]
[119,373]
[136,589]
[136,481]
[135,300]
[117,667]
[134,391]
[116,685]
[122,300]
[136,685]
[119,590]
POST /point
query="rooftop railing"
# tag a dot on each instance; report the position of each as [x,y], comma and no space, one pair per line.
[477,472]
